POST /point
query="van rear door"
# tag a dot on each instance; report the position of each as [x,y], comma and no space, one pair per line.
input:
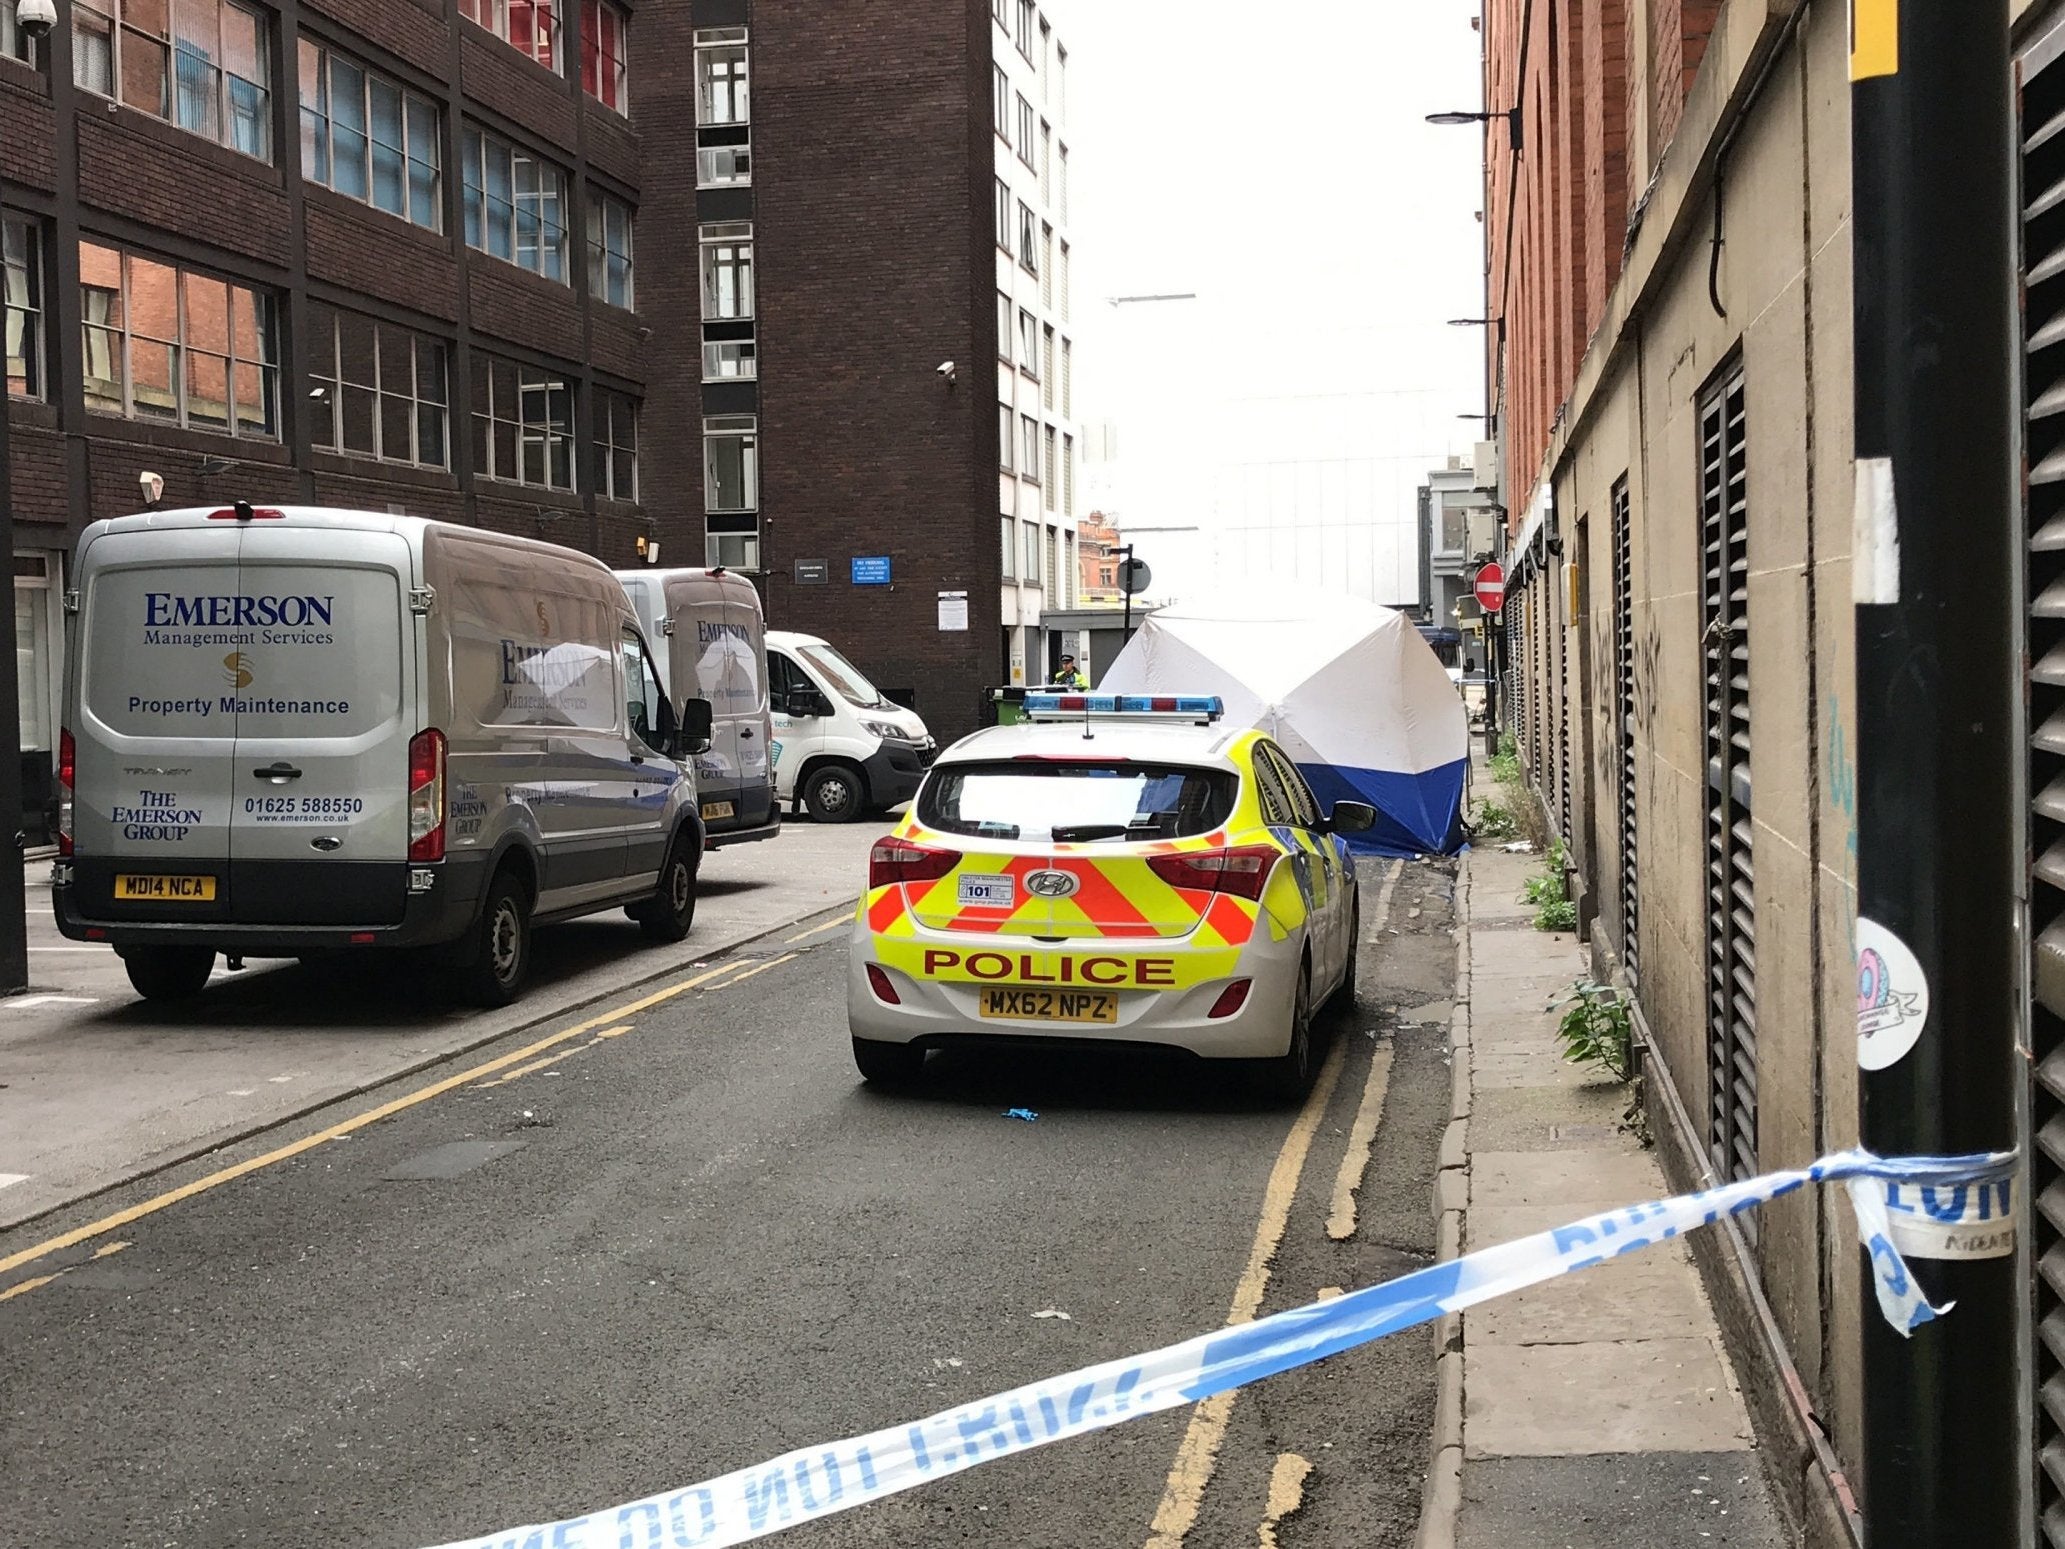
[319,785]
[154,740]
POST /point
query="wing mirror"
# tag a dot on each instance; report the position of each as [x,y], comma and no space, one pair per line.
[697,726]
[804,703]
[1352,817]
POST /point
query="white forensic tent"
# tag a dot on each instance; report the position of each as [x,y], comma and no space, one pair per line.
[1349,688]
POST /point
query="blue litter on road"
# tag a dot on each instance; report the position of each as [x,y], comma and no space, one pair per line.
[1950,1206]
[1021,1113]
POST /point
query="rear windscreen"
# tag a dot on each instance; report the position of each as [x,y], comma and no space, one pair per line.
[1076,803]
[212,651]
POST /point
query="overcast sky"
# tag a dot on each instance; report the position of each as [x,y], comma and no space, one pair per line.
[1276,161]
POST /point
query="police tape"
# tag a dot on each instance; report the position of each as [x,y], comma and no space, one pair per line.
[1938,1207]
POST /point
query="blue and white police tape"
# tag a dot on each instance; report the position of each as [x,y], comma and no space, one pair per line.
[1938,1207]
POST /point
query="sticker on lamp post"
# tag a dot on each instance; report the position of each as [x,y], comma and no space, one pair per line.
[1892,997]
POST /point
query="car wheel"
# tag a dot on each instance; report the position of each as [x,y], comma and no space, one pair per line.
[1289,1076]
[666,918]
[498,955]
[169,973]
[1342,1003]
[887,1064]
[835,793]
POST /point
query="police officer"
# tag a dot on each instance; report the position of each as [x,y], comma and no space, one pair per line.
[1069,676]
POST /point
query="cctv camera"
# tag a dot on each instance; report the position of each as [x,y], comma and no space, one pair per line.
[36,17]
[152,485]
[946,369]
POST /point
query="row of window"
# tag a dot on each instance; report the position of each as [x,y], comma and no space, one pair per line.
[1035,40]
[724,108]
[1050,565]
[535,28]
[1038,454]
[1036,352]
[1036,152]
[173,345]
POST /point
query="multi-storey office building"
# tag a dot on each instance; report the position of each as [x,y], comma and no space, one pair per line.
[578,269]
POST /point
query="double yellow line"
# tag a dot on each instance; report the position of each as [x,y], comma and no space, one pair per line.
[506,1067]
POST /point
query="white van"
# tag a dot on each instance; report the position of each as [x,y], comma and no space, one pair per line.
[709,642]
[291,730]
[840,747]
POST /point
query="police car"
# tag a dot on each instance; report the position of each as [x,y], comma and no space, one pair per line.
[1115,868]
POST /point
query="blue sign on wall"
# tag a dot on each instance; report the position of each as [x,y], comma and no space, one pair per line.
[871,570]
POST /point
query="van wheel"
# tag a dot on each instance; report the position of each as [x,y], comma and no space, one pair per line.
[169,973]
[835,793]
[498,953]
[887,1064]
[667,916]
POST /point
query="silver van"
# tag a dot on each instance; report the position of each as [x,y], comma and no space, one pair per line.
[709,641]
[289,731]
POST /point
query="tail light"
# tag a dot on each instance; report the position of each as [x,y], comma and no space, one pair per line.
[1243,871]
[899,860]
[427,796]
[67,761]
[1230,1000]
[878,981]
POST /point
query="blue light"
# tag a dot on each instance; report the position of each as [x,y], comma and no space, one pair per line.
[1207,706]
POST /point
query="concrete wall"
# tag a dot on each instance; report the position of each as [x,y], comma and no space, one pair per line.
[1783,285]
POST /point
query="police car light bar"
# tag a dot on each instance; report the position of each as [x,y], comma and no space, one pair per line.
[1203,708]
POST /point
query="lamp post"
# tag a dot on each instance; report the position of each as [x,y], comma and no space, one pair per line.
[36,18]
[1510,115]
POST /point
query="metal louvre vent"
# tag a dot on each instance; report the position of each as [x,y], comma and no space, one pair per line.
[1731,931]
[2043,262]
[1535,686]
[1563,628]
[1624,729]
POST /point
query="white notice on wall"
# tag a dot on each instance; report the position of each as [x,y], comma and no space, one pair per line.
[953,611]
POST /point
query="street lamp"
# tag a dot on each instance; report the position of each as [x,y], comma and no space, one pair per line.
[1510,115]
[36,18]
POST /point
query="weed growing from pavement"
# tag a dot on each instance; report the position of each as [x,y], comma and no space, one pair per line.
[1553,909]
[1596,1029]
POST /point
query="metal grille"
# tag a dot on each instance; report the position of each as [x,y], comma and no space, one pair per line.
[1624,730]
[1563,625]
[1731,930]
[1534,681]
[2043,262]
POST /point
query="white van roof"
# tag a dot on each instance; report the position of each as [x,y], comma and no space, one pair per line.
[338,518]
[739,587]
[791,639]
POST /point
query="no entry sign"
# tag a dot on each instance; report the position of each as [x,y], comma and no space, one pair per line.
[1490,587]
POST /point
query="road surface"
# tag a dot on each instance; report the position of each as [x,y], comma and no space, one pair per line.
[673,1236]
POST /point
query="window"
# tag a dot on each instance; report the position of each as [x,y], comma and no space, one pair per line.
[1068,370]
[727,270]
[201,64]
[21,282]
[605,56]
[720,165]
[723,95]
[1000,101]
[376,390]
[1045,165]
[1028,238]
[732,551]
[1061,79]
[1001,9]
[1003,215]
[729,359]
[1027,10]
[529,26]
[609,250]
[369,139]
[1010,528]
[1004,310]
[616,445]
[1007,437]
[1055,584]
[1047,367]
[1064,283]
[1056,800]
[731,463]
[644,701]
[1063,180]
[1026,149]
[515,206]
[1029,556]
[1050,481]
[168,344]
[1028,343]
[15,43]
[523,424]
[1068,475]
[1029,448]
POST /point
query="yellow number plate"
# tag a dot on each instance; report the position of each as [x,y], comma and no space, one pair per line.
[717,809]
[1050,1006]
[185,890]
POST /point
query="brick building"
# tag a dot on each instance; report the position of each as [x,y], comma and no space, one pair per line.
[1669,279]
[597,272]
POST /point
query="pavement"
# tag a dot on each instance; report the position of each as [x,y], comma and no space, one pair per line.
[97,1088]
[671,1234]
[1599,1411]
